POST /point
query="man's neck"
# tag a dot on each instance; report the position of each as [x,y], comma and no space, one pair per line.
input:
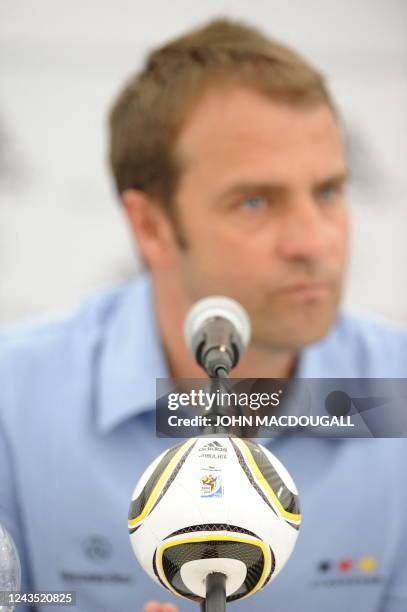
[171,307]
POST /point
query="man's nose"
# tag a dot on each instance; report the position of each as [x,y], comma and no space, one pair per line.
[303,232]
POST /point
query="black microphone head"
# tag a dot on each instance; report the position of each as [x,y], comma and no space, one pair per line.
[217,331]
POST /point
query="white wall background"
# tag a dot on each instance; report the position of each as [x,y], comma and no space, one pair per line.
[61,64]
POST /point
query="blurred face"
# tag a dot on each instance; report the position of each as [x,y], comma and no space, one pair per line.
[261,207]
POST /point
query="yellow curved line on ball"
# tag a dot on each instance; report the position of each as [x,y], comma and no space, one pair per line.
[160,483]
[265,550]
[291,516]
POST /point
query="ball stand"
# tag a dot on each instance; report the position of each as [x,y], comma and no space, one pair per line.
[215,600]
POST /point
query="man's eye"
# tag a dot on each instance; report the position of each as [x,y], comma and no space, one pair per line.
[253,202]
[329,193]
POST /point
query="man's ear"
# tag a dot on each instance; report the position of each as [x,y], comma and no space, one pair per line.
[151,228]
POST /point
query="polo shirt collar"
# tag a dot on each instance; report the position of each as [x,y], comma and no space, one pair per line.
[331,357]
[132,357]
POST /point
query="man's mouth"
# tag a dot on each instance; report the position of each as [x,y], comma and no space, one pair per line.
[306,290]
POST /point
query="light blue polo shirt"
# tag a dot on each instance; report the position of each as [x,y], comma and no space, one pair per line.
[77,429]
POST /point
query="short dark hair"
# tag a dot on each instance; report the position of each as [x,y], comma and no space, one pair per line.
[148,114]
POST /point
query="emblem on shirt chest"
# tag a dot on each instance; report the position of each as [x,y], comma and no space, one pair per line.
[97,552]
[346,570]
[97,548]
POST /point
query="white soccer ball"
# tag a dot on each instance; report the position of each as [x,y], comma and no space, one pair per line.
[214,505]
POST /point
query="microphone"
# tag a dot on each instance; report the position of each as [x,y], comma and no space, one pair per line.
[217,331]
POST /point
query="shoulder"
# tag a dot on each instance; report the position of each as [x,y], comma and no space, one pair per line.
[373,336]
[365,327]
[29,346]
[359,346]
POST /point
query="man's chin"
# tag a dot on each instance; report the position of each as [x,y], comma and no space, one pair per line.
[293,336]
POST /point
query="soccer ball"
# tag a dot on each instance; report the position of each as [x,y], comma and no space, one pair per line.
[214,505]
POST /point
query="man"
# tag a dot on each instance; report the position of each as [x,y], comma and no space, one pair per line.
[227,155]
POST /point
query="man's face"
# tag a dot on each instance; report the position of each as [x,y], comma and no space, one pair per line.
[261,206]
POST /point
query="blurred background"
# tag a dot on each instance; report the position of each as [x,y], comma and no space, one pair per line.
[62,62]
